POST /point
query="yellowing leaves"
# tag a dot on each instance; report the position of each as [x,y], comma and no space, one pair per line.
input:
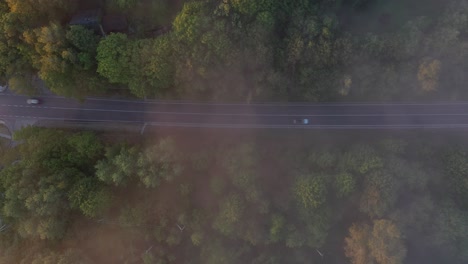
[428,75]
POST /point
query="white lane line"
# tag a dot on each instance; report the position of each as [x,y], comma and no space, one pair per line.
[285,104]
[207,125]
[259,125]
[235,114]
[281,104]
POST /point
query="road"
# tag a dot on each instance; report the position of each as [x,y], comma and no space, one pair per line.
[271,115]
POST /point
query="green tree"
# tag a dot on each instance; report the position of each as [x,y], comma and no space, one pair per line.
[295,238]
[380,194]
[310,191]
[153,69]
[231,210]
[65,59]
[22,83]
[38,187]
[84,43]
[345,184]
[113,57]
[34,12]
[160,162]
[125,164]
[70,256]
[90,196]
[215,252]
[119,165]
[450,229]
[277,227]
[361,159]
[456,167]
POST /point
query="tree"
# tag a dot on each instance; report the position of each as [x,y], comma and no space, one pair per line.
[450,229]
[386,243]
[361,159]
[46,184]
[37,12]
[231,210]
[310,191]
[124,164]
[119,166]
[70,256]
[277,227]
[160,162]
[84,43]
[428,74]
[89,196]
[215,252]
[383,244]
[145,65]
[65,59]
[380,194]
[22,83]
[294,238]
[356,242]
[113,57]
[153,69]
[241,167]
[345,184]
[456,166]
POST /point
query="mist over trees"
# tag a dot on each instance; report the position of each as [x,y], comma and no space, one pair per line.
[242,50]
[356,197]
[397,199]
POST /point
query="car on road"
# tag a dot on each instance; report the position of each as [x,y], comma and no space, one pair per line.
[301,121]
[32,101]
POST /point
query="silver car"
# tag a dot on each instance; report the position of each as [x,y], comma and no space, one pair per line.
[32,101]
[301,121]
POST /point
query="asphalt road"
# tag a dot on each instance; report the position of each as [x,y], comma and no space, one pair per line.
[271,115]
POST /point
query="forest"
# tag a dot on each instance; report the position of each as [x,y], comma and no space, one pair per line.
[191,196]
[216,197]
[241,50]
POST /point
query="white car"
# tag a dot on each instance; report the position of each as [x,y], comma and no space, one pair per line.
[302,121]
[32,101]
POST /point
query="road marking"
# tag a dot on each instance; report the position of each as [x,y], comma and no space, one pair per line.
[287,104]
[282,104]
[237,114]
[207,125]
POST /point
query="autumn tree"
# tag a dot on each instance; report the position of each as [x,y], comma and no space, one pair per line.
[428,74]
[356,244]
[386,243]
[382,243]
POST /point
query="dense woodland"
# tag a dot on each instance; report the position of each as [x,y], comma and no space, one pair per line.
[242,50]
[78,197]
[260,197]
